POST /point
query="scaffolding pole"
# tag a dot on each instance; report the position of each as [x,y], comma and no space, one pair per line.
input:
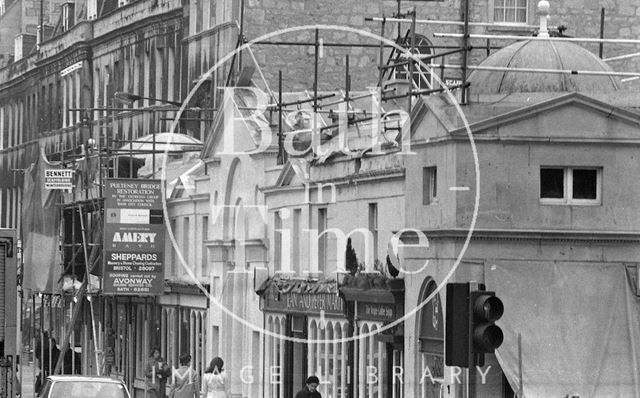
[382,33]
[465,45]
[601,45]
[69,332]
[411,65]
[621,57]
[536,38]
[87,273]
[536,70]
[443,22]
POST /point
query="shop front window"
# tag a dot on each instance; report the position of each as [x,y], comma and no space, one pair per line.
[328,359]
[371,363]
[274,357]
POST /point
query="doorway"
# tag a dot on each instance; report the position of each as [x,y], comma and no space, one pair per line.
[297,354]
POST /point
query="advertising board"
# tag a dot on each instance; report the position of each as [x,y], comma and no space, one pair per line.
[133,237]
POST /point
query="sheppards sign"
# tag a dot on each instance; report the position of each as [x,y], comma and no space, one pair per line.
[302,303]
[133,237]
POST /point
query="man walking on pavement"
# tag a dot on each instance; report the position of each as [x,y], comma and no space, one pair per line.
[311,389]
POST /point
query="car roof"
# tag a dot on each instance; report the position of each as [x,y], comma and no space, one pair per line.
[103,379]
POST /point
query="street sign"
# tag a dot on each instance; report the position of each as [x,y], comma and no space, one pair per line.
[133,237]
[58,179]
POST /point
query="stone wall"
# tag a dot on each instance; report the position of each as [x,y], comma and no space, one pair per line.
[620,22]
[265,16]
[23,16]
[9,28]
[582,17]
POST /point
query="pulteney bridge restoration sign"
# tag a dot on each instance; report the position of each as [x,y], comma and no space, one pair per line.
[133,237]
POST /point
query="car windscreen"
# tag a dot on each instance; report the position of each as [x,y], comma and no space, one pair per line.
[87,389]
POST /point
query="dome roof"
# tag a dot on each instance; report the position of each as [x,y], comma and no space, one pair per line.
[542,54]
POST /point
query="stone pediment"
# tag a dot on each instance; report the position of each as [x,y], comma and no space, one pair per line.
[571,117]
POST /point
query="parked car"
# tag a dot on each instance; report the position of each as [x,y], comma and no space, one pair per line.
[83,387]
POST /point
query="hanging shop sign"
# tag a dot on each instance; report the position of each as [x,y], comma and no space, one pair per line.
[69,69]
[58,179]
[133,237]
[375,297]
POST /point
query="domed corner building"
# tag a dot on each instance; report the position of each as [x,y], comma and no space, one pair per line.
[557,232]
[544,55]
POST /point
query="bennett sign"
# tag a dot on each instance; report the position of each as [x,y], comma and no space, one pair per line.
[134,237]
[58,179]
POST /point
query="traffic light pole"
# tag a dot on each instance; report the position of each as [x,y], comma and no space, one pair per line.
[471,380]
[471,367]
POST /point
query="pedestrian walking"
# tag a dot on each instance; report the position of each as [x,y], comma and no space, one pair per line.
[184,380]
[215,383]
[156,372]
[311,389]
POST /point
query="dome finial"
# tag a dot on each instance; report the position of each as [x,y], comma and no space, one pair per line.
[543,10]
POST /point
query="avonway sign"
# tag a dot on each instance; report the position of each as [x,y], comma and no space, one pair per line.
[133,237]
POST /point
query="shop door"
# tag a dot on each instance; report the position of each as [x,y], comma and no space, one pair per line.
[299,352]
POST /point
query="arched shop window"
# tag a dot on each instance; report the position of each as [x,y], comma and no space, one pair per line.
[421,75]
[274,356]
[431,341]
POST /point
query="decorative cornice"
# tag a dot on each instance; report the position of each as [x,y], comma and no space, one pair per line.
[285,286]
[80,51]
[526,112]
[375,288]
[175,286]
[367,176]
[232,243]
[209,32]
[135,27]
[535,234]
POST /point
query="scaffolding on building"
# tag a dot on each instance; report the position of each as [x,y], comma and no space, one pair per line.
[77,313]
[404,59]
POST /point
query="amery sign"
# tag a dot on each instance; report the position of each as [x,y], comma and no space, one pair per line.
[133,237]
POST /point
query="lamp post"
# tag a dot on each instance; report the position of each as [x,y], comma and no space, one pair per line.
[128,99]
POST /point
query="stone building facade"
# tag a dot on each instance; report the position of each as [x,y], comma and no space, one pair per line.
[163,49]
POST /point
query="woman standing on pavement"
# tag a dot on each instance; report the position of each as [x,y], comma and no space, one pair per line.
[184,380]
[156,372]
[215,383]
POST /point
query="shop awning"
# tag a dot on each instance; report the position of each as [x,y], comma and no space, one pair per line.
[578,326]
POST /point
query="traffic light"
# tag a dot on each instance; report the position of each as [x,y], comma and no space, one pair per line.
[470,325]
[484,310]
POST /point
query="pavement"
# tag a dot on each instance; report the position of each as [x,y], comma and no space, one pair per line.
[28,380]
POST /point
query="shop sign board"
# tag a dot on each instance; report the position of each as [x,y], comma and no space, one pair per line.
[303,303]
[384,312]
[133,237]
